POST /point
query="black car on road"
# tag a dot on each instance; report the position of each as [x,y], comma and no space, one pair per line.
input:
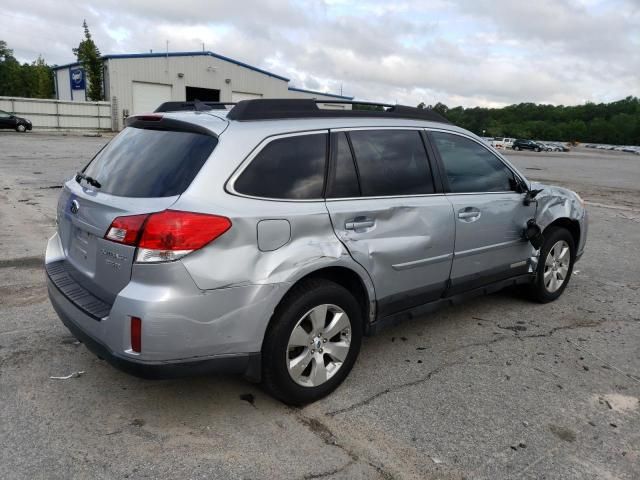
[527,145]
[9,120]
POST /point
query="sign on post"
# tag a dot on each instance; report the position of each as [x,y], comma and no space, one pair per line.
[77,79]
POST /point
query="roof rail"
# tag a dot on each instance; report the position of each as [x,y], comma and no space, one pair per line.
[191,106]
[275,108]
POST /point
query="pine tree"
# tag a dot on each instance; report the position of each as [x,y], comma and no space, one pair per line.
[88,56]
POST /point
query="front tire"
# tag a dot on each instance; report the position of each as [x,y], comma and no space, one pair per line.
[516,148]
[555,265]
[21,128]
[312,342]
[538,149]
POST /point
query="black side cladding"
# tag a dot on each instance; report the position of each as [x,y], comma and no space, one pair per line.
[274,109]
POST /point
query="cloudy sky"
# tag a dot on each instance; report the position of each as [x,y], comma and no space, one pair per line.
[460,52]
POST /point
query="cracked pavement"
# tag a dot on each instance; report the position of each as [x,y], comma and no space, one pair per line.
[495,388]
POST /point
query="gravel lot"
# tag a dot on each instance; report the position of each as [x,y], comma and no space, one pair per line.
[496,388]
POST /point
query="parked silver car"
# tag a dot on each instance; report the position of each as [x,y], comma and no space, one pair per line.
[268,239]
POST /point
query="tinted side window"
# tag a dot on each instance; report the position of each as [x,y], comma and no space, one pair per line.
[150,163]
[470,167]
[343,181]
[391,162]
[291,167]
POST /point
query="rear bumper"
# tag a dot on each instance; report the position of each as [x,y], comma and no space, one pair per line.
[72,317]
[185,330]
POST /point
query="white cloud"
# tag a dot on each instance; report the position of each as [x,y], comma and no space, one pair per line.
[469,52]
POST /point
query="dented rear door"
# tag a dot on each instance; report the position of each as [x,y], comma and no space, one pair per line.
[395,224]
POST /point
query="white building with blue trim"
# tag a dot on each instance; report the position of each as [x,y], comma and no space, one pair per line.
[138,83]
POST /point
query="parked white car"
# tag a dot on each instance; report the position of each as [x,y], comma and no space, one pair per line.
[502,142]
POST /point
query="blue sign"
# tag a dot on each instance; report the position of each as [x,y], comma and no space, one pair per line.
[77,79]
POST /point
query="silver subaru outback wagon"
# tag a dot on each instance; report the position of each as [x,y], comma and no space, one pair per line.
[269,238]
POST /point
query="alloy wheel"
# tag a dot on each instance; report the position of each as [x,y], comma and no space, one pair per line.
[556,266]
[318,345]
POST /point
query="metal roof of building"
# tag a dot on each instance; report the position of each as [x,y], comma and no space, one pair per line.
[205,54]
[179,54]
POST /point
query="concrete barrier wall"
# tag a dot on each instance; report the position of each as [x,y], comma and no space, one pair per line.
[60,114]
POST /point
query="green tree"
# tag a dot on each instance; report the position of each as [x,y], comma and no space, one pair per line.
[88,56]
[441,108]
[42,85]
[10,81]
[26,80]
[5,51]
[615,123]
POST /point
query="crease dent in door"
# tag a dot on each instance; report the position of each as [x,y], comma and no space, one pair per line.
[407,253]
[390,239]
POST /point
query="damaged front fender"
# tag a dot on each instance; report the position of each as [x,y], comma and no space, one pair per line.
[556,204]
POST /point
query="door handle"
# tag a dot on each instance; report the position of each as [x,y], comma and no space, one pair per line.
[469,214]
[359,223]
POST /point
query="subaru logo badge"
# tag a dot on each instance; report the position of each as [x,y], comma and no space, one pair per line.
[75,206]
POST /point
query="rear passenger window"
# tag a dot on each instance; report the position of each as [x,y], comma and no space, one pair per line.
[343,181]
[470,167]
[290,168]
[391,162]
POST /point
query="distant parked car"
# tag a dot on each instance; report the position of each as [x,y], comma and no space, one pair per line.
[527,145]
[552,147]
[502,142]
[9,120]
[630,149]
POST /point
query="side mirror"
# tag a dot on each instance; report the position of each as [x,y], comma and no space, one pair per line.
[518,185]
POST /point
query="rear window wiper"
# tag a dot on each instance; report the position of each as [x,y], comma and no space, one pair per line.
[90,180]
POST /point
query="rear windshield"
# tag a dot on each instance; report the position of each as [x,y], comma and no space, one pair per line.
[150,163]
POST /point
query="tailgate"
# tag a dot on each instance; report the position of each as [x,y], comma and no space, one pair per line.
[101,266]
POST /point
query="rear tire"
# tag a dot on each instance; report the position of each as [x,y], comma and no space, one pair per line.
[516,148]
[317,320]
[555,265]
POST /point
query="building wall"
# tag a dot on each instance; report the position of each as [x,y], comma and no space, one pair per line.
[178,71]
[198,71]
[63,86]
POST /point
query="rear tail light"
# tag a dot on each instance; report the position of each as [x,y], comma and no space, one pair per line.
[168,235]
[126,229]
[136,334]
